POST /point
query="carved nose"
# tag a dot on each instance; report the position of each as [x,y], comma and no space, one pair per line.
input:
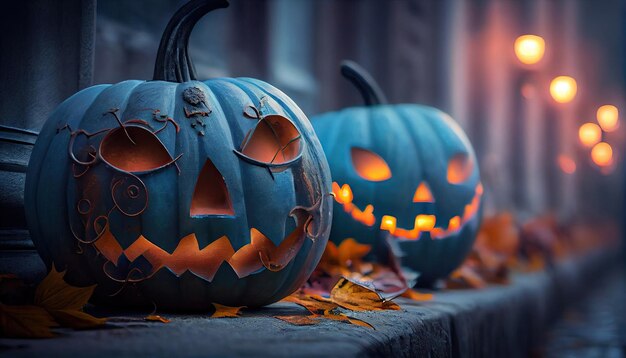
[423,194]
[210,197]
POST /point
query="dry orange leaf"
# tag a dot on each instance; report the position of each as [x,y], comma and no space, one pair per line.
[417,296]
[300,320]
[76,319]
[349,250]
[356,297]
[314,303]
[53,293]
[465,277]
[338,316]
[222,311]
[65,302]
[156,318]
[25,322]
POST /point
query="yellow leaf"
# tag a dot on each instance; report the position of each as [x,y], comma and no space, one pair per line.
[225,311]
[53,293]
[353,296]
[417,296]
[300,320]
[25,322]
[76,319]
[157,318]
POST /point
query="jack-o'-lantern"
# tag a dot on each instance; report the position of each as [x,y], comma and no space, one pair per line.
[179,192]
[403,173]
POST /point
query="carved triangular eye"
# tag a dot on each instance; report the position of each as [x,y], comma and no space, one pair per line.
[369,165]
[460,168]
[134,149]
[274,140]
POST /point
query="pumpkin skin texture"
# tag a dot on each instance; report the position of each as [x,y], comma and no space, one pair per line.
[167,191]
[421,147]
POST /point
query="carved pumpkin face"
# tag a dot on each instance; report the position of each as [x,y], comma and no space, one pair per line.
[406,172]
[194,192]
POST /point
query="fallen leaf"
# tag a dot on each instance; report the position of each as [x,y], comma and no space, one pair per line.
[53,293]
[316,304]
[342,317]
[300,320]
[350,252]
[357,297]
[222,311]
[465,277]
[65,302]
[25,322]
[156,318]
[417,296]
[76,319]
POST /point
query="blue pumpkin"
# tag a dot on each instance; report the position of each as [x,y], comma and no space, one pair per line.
[404,173]
[179,192]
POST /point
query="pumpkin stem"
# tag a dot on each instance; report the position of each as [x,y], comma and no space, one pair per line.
[364,82]
[173,62]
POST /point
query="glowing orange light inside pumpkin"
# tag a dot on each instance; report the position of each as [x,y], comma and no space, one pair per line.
[343,194]
[370,165]
[563,89]
[589,134]
[454,223]
[602,154]
[529,49]
[388,223]
[608,117]
[423,194]
[460,168]
[365,216]
[425,222]
[567,164]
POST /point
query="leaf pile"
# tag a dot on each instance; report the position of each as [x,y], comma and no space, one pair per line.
[502,245]
[55,304]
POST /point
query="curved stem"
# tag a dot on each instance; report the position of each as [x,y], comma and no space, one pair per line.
[363,81]
[173,62]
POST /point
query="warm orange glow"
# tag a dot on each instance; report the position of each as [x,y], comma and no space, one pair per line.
[343,195]
[454,223]
[460,168]
[370,165]
[388,223]
[365,217]
[602,154]
[608,117]
[423,194]
[425,222]
[563,89]
[567,164]
[589,134]
[529,49]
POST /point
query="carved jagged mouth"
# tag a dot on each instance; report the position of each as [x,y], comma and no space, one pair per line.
[261,252]
[423,222]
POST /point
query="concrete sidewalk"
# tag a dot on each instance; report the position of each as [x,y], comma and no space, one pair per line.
[500,321]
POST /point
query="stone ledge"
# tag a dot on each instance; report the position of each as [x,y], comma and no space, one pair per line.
[499,321]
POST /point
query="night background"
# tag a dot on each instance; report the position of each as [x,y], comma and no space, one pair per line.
[557,181]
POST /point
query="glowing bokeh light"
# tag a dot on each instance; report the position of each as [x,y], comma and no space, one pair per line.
[563,89]
[602,154]
[529,49]
[589,134]
[608,117]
